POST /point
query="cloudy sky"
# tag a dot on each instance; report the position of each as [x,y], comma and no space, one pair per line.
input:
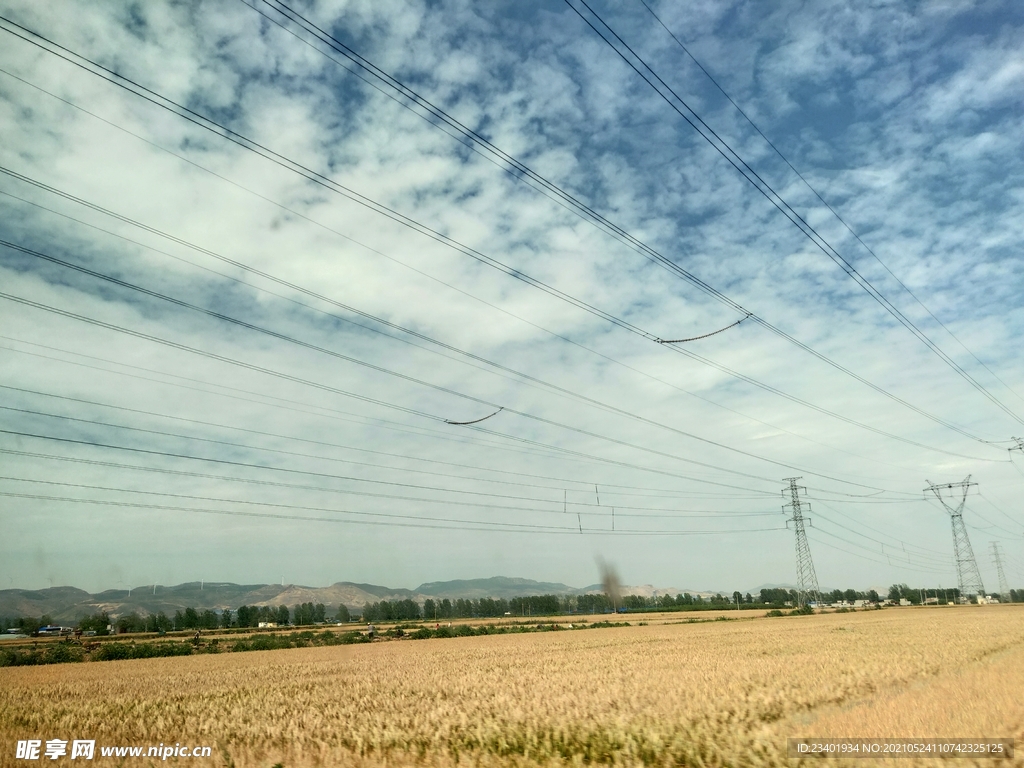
[257,258]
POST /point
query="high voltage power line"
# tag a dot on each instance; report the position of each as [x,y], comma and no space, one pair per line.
[521,172]
[684,513]
[649,492]
[319,457]
[387,371]
[824,202]
[222,131]
[638,65]
[526,378]
[380,369]
[633,329]
[420,522]
[418,431]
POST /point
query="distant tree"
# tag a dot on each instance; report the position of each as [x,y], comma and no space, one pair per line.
[190,619]
[667,601]
[737,598]
[225,618]
[447,611]
[97,623]
[873,596]
[319,613]
[747,598]
[209,619]
[131,622]
[343,613]
[282,615]
[429,609]
[407,609]
[777,596]
[585,604]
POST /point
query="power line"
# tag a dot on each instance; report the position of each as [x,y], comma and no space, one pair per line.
[380,369]
[748,173]
[222,478]
[652,492]
[322,411]
[345,461]
[465,524]
[548,450]
[208,124]
[446,390]
[902,566]
[821,199]
[523,173]
[906,548]
[998,509]
[529,380]
[326,228]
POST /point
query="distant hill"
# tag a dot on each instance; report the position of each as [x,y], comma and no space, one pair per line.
[29,602]
[65,605]
[68,604]
[496,586]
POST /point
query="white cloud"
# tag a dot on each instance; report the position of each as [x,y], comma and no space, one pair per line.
[927,168]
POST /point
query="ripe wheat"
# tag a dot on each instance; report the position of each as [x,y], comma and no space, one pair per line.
[719,693]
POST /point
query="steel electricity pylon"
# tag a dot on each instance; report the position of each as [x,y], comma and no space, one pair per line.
[807,580]
[967,572]
[1004,587]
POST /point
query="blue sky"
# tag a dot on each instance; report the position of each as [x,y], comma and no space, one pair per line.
[205,445]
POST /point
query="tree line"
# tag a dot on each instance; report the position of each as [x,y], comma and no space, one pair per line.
[306,614]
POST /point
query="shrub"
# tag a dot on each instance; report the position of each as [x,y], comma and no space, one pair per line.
[118,651]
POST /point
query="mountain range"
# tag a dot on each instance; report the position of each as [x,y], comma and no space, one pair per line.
[68,604]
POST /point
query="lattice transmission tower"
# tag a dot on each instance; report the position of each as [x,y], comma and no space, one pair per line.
[967,573]
[1004,587]
[807,580]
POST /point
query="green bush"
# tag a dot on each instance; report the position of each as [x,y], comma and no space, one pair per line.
[773,613]
[118,651]
[13,658]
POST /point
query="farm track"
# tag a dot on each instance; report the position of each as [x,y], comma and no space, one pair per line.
[718,693]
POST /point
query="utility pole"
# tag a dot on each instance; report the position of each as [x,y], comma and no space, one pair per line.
[967,573]
[1004,587]
[807,580]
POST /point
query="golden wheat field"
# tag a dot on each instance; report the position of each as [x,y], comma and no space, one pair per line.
[710,694]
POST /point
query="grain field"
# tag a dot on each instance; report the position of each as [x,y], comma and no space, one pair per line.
[711,694]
